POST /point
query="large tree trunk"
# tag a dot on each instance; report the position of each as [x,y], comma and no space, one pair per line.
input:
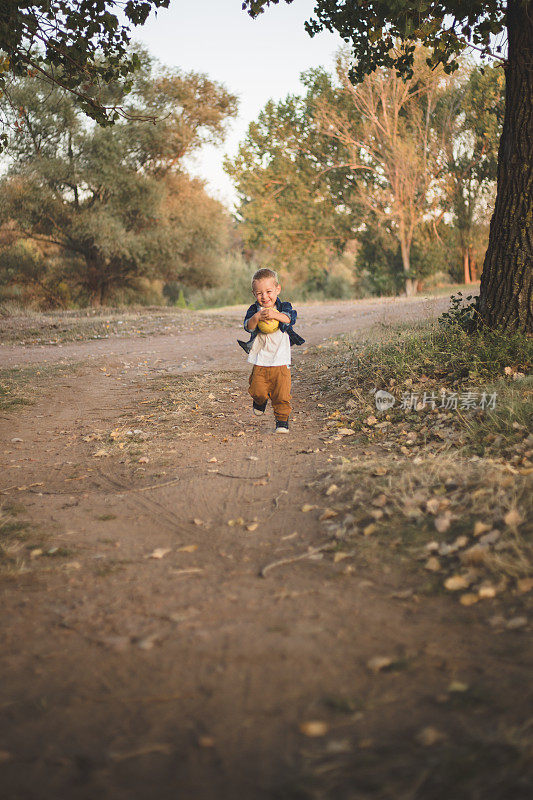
[506,282]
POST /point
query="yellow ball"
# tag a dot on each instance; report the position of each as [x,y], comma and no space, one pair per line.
[268,326]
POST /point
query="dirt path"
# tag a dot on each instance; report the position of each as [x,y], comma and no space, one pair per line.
[127,675]
[190,351]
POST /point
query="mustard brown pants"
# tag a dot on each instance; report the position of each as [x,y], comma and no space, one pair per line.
[273,383]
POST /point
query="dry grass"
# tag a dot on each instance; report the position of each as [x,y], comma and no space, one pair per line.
[27,327]
[450,488]
[22,385]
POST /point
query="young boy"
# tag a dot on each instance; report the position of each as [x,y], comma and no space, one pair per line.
[269,321]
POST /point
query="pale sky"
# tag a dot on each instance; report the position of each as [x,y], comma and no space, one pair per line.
[255,59]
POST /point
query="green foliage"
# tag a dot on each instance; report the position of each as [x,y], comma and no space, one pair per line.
[472,111]
[320,171]
[374,27]
[447,353]
[79,46]
[113,205]
[234,285]
[462,313]
[295,209]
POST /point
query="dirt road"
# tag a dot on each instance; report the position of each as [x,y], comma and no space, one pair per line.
[143,654]
[197,349]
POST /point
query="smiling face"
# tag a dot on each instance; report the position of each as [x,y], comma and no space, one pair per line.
[266,292]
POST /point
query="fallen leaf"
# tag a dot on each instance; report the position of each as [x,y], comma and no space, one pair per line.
[481,527]
[515,623]
[429,736]
[487,592]
[338,747]
[513,518]
[206,741]
[345,432]
[461,541]
[332,489]
[458,686]
[340,557]
[328,513]
[380,500]
[147,642]
[404,594]
[100,454]
[474,555]
[468,599]
[433,505]
[252,526]
[380,471]
[524,585]
[442,523]
[198,521]
[370,529]
[314,728]
[379,663]
[212,460]
[307,507]
[144,460]
[159,552]
[432,564]
[370,421]
[187,548]
[457,582]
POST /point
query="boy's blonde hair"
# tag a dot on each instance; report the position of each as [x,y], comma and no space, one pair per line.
[265,273]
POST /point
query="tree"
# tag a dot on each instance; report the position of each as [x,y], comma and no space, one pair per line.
[79,45]
[471,113]
[447,28]
[394,146]
[108,198]
[294,207]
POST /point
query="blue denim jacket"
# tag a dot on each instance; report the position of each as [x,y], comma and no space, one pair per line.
[283,308]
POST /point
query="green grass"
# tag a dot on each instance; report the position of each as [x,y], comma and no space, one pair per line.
[438,353]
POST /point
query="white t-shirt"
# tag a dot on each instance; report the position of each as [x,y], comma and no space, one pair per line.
[271,349]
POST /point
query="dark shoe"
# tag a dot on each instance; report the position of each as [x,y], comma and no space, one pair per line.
[282,427]
[259,409]
[246,346]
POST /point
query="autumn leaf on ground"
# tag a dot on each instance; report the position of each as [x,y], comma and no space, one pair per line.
[314,728]
[457,582]
[513,518]
[159,552]
[379,663]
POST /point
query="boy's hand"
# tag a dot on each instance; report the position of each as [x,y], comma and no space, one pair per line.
[272,313]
